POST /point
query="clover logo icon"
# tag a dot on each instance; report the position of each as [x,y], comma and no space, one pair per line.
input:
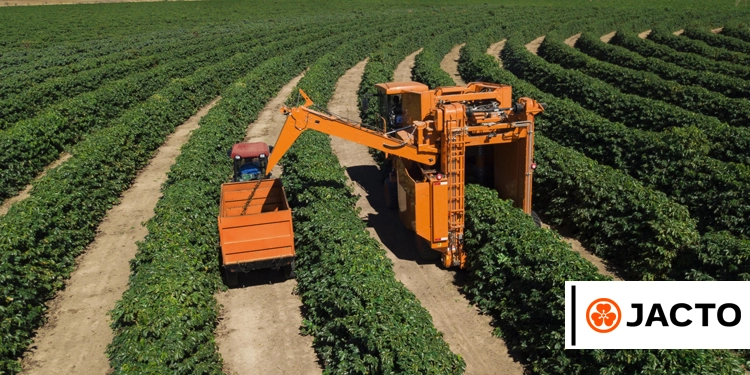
[603,315]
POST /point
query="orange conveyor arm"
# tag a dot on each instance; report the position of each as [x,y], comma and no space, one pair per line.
[304,118]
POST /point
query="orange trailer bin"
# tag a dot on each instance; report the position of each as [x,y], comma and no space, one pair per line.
[255,227]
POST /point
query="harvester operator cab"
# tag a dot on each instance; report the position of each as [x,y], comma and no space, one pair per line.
[250,161]
[391,110]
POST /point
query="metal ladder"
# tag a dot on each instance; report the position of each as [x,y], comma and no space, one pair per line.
[454,164]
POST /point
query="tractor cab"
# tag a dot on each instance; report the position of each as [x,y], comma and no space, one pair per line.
[391,101]
[250,161]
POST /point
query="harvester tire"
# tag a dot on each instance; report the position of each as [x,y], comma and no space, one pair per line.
[289,271]
[424,251]
[390,193]
[536,219]
[230,278]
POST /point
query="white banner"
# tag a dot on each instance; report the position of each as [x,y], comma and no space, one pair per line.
[657,315]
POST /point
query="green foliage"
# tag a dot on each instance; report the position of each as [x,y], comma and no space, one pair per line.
[693,98]
[698,47]
[651,47]
[725,85]
[741,32]
[166,319]
[518,273]
[720,256]
[362,319]
[32,144]
[721,44]
[635,227]
[672,161]
[30,102]
[46,231]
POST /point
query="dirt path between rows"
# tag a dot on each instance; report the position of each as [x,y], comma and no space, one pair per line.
[607,37]
[466,331]
[75,338]
[572,40]
[644,34]
[26,192]
[533,46]
[403,72]
[494,50]
[450,64]
[258,330]
[602,266]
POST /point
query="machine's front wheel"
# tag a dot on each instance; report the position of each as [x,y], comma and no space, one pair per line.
[424,251]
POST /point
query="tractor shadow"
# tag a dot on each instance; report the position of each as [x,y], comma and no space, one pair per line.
[384,221]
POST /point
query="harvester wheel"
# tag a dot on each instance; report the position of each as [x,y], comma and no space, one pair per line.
[289,271]
[391,194]
[424,251]
[536,219]
[231,278]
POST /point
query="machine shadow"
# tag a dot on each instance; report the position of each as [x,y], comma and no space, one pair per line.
[386,223]
[259,277]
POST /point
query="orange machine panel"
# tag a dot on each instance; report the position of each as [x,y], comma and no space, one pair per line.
[264,231]
[439,214]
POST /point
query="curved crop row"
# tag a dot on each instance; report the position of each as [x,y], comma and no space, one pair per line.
[699,47]
[29,103]
[725,85]
[362,319]
[568,116]
[727,143]
[427,63]
[46,231]
[693,98]
[21,78]
[517,274]
[651,48]
[673,161]
[32,144]
[737,31]
[179,255]
[740,47]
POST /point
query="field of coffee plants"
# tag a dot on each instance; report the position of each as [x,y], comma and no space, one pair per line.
[643,156]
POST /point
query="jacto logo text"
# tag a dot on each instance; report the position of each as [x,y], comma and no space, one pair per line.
[656,315]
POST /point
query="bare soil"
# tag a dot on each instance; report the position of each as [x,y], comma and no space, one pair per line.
[403,72]
[450,64]
[259,327]
[607,37]
[495,49]
[468,333]
[62,2]
[533,46]
[77,333]
[26,192]
[717,30]
[572,40]
[644,34]
[679,32]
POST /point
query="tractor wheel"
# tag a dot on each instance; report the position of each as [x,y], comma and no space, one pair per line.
[536,219]
[289,271]
[231,278]
[424,251]
[390,193]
